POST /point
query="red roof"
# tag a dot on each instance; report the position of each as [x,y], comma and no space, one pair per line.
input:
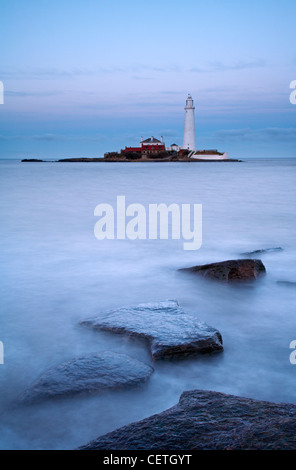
[132,149]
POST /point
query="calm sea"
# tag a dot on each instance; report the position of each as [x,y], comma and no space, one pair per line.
[55,273]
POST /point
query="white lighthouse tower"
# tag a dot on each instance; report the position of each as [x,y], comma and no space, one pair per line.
[189,125]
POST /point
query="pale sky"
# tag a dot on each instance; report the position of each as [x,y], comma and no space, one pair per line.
[85,77]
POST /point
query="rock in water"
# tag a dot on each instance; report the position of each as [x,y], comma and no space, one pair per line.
[34,160]
[170,331]
[231,270]
[287,283]
[94,373]
[204,420]
[262,251]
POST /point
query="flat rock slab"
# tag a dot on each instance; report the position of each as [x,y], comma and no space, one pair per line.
[170,331]
[94,373]
[231,270]
[204,420]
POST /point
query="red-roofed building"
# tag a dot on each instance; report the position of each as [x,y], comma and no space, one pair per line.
[151,146]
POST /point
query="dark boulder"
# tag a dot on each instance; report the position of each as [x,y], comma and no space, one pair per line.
[170,331]
[90,374]
[231,270]
[204,420]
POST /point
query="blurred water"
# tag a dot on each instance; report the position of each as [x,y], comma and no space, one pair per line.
[54,273]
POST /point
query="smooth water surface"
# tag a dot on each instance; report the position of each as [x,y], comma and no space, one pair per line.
[55,273]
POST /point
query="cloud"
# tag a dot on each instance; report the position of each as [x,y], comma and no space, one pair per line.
[139,77]
[169,133]
[220,67]
[54,137]
[54,73]
[173,92]
[25,94]
[271,133]
[48,73]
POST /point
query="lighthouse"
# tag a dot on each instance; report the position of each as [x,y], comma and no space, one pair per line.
[189,125]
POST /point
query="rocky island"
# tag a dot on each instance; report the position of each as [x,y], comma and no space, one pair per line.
[166,156]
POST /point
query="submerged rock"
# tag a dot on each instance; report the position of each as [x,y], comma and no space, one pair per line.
[33,160]
[287,283]
[170,331]
[262,252]
[204,420]
[94,373]
[231,270]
